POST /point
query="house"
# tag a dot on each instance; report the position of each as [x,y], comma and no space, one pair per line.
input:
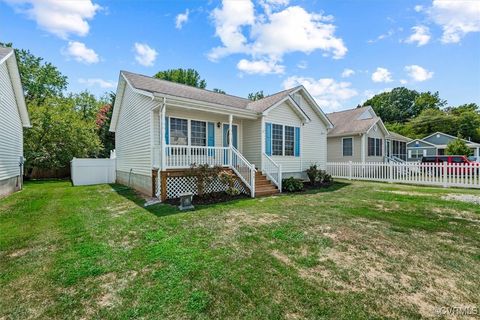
[13,118]
[359,135]
[162,128]
[435,144]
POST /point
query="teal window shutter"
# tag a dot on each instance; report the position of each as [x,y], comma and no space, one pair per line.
[211,134]
[167,130]
[268,139]
[297,142]
[211,138]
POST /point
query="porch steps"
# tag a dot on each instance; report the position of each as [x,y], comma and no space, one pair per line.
[263,187]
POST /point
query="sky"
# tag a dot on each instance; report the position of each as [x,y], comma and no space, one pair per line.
[342,51]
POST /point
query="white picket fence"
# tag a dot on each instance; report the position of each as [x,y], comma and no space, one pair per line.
[446,175]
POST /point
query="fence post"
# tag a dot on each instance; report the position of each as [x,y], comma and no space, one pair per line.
[445,175]
[350,170]
[390,172]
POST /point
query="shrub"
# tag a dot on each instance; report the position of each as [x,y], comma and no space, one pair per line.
[324,177]
[229,179]
[312,174]
[291,184]
[205,174]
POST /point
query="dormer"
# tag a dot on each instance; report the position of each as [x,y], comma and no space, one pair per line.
[367,114]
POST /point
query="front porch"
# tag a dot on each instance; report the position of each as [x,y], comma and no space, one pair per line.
[184,138]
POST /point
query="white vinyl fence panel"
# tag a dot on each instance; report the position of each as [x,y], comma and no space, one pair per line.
[446,175]
[92,171]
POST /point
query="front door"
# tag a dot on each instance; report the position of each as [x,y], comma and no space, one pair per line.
[226,137]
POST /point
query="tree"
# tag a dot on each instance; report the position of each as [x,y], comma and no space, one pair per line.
[103,120]
[57,135]
[254,96]
[402,104]
[219,91]
[458,147]
[40,79]
[87,104]
[189,77]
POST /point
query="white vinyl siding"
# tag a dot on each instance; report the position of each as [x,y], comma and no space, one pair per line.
[313,138]
[133,136]
[11,128]
[335,149]
[377,134]
[252,141]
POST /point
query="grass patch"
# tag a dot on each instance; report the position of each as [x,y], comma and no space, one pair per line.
[353,250]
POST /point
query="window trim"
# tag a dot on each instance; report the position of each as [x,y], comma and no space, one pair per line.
[283,139]
[343,153]
[375,149]
[189,130]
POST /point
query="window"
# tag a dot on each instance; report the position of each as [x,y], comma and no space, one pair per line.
[347,147]
[277,140]
[178,131]
[375,147]
[289,141]
[198,133]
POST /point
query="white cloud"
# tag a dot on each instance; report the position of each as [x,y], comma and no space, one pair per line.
[382,36]
[181,19]
[418,73]
[260,67]
[347,73]
[276,32]
[302,64]
[382,75]
[456,17]
[328,93]
[144,54]
[81,53]
[91,82]
[418,8]
[420,35]
[403,81]
[61,18]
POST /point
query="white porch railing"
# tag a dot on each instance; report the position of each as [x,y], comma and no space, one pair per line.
[446,175]
[272,170]
[185,156]
[244,170]
[181,157]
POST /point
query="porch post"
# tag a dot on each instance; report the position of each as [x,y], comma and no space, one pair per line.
[478,152]
[164,142]
[230,138]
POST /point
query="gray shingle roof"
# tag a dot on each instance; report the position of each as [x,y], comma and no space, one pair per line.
[399,137]
[346,122]
[4,51]
[158,86]
[265,103]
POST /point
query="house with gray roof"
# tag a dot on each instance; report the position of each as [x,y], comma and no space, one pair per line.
[13,118]
[435,145]
[162,128]
[359,135]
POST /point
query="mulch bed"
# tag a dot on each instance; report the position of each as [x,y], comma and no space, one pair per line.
[210,198]
[307,186]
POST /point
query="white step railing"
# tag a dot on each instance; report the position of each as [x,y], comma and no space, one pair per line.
[272,170]
[244,170]
[186,156]
[444,174]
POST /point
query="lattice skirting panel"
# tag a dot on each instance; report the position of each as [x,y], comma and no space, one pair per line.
[177,185]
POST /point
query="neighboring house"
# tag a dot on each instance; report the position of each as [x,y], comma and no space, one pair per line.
[13,118]
[359,135]
[435,144]
[161,128]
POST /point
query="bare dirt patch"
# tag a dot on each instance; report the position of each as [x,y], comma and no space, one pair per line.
[111,284]
[469,198]
[19,253]
[408,193]
[236,219]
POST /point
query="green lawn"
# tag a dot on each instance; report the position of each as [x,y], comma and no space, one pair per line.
[355,250]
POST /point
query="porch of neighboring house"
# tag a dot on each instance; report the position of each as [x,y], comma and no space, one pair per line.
[396,150]
[184,136]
